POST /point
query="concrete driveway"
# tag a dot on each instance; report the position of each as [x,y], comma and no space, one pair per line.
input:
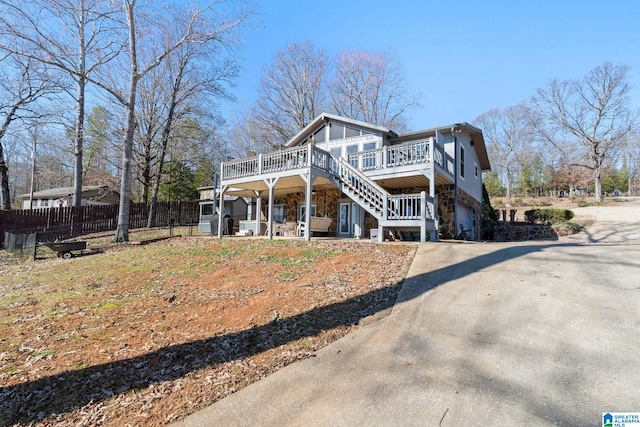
[542,333]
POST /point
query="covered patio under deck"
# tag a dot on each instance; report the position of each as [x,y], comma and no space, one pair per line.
[308,169]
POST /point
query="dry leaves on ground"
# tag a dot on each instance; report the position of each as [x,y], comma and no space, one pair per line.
[146,335]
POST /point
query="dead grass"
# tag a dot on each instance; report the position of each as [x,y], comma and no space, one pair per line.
[145,335]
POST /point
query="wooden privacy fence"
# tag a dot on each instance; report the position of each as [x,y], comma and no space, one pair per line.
[67,222]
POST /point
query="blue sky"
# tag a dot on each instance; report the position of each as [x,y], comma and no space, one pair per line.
[462,57]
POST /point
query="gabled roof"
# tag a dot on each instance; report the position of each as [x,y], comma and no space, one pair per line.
[61,192]
[326,117]
[474,132]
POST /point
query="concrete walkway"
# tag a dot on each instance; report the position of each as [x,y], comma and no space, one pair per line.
[538,333]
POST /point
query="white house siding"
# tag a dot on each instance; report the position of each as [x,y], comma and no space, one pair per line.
[471,183]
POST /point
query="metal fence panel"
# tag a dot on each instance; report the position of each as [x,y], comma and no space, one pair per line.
[23,244]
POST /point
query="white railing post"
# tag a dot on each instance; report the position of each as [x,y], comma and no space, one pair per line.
[431,154]
[260,164]
[423,216]
[310,154]
[385,207]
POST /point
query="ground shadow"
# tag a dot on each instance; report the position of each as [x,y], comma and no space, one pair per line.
[57,394]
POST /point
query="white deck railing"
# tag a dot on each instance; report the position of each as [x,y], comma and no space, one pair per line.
[292,158]
[409,207]
[402,155]
[349,173]
[240,168]
[298,157]
[358,184]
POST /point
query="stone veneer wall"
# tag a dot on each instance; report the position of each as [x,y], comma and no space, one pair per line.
[326,202]
[446,210]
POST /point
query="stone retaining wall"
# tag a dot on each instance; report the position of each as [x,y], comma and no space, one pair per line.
[517,232]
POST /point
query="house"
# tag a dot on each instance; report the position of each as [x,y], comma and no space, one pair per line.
[63,197]
[368,180]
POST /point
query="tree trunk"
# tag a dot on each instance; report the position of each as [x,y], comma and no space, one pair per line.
[78,145]
[146,171]
[122,232]
[166,134]
[5,200]
[151,220]
[82,83]
[598,184]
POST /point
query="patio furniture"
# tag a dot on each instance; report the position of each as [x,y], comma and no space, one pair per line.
[250,225]
[318,224]
[286,229]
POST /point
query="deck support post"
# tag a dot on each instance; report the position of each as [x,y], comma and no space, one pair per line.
[258,211]
[223,188]
[423,216]
[432,193]
[271,183]
[308,179]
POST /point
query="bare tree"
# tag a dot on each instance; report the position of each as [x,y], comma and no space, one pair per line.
[208,25]
[297,87]
[100,156]
[506,132]
[250,133]
[292,91]
[150,114]
[189,80]
[74,36]
[370,87]
[19,91]
[591,114]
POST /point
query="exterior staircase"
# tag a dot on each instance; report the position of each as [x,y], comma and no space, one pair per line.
[358,187]
[407,210]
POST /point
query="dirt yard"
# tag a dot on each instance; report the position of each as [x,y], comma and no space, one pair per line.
[144,335]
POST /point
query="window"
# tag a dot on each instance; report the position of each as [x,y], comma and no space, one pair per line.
[336,151]
[461,162]
[476,169]
[351,132]
[302,210]
[352,155]
[206,208]
[336,131]
[44,203]
[345,225]
[280,213]
[319,135]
